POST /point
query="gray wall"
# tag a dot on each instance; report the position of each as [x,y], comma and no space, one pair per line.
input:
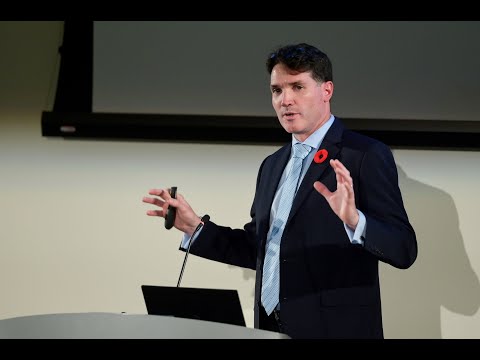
[423,70]
[74,236]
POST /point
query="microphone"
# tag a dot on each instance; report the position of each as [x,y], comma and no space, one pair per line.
[203,220]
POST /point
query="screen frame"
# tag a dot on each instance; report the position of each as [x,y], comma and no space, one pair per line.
[72,115]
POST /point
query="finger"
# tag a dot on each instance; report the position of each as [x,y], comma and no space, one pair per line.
[174,202]
[156,192]
[155,213]
[340,168]
[154,201]
[333,164]
[340,165]
[339,177]
[348,188]
[337,169]
[322,189]
[343,174]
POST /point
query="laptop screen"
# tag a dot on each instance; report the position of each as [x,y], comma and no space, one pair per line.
[219,305]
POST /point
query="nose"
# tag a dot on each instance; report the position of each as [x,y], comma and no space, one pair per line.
[287,98]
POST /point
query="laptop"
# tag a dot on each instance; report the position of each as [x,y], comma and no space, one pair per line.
[218,305]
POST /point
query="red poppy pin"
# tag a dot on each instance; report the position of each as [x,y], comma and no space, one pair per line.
[320,156]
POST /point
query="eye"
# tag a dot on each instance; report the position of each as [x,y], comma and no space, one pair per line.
[276,90]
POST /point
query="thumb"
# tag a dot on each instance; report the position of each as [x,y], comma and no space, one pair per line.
[322,189]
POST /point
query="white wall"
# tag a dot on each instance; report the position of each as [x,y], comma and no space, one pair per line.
[74,236]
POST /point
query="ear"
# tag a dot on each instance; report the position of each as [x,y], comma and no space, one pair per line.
[327,90]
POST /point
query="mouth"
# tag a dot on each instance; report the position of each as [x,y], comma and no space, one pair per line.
[289,114]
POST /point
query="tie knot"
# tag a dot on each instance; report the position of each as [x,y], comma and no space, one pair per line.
[301,150]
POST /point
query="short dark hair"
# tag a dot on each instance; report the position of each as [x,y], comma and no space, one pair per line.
[302,58]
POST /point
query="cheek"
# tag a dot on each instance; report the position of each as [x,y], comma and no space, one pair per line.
[275,103]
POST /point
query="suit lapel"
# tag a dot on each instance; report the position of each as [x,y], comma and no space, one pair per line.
[331,143]
[273,173]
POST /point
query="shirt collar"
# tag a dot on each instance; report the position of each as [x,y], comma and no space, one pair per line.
[316,138]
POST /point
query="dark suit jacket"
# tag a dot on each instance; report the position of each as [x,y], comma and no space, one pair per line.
[329,288]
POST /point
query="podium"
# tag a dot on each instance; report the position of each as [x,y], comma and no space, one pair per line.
[123,326]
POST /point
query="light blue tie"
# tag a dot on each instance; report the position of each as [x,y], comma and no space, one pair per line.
[271,269]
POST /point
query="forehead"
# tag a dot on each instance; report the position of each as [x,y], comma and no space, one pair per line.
[282,74]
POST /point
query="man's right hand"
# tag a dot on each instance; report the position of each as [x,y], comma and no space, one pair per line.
[186,220]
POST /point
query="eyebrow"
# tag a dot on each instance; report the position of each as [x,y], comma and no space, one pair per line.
[289,84]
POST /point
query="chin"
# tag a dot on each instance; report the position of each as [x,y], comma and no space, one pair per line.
[289,128]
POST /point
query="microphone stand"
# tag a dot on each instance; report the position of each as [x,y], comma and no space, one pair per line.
[203,220]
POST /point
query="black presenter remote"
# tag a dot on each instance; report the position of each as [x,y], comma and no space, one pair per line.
[171,211]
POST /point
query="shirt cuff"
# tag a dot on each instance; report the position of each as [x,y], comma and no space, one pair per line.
[186,239]
[357,236]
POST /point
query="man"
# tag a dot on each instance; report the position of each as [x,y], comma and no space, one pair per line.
[323,214]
